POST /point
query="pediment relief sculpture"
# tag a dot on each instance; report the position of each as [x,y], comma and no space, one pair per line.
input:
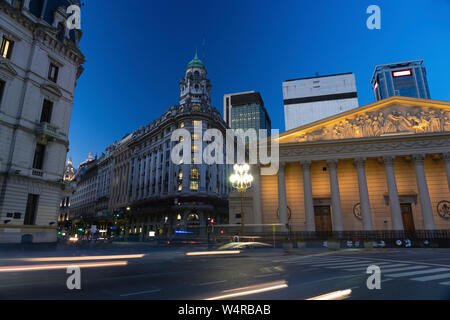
[390,121]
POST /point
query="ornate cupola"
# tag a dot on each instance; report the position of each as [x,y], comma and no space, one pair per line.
[195,89]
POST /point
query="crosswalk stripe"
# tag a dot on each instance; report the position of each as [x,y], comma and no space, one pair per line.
[388,270]
[445,283]
[316,261]
[413,273]
[386,266]
[355,265]
[340,264]
[435,277]
[364,264]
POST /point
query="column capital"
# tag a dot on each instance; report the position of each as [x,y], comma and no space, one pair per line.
[281,166]
[332,163]
[389,160]
[418,158]
[360,162]
[446,157]
[306,164]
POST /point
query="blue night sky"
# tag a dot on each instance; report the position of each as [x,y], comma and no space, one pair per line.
[137,52]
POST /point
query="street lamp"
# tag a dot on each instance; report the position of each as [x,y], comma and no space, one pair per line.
[241,181]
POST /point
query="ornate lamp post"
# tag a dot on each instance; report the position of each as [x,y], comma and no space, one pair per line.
[241,181]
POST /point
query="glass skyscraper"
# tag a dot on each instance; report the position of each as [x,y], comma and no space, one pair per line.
[407,79]
[246,111]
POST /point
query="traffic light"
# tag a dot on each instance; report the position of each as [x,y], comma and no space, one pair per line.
[212,221]
[222,232]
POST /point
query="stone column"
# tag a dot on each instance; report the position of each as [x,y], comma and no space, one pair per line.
[163,169]
[425,203]
[158,173]
[186,177]
[338,224]
[141,178]
[308,197]
[152,175]
[257,208]
[171,171]
[282,202]
[364,194]
[446,158]
[135,178]
[147,169]
[130,179]
[394,202]
[214,177]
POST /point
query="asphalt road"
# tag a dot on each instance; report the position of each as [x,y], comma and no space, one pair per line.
[257,274]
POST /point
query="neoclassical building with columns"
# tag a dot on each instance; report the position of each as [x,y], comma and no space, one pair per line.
[381,167]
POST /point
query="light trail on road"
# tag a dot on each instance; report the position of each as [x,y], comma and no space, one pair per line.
[85,258]
[337,295]
[211,253]
[62,266]
[252,290]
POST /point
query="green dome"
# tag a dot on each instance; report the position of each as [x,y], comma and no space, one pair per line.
[196,62]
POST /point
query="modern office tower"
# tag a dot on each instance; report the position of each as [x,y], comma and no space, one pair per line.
[307,100]
[40,62]
[407,79]
[245,110]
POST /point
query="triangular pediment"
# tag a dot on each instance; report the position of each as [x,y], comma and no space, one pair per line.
[391,117]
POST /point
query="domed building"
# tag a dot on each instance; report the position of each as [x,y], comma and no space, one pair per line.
[158,196]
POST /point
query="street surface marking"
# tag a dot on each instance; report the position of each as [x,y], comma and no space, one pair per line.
[430,278]
[212,282]
[413,273]
[367,264]
[142,292]
[394,270]
[386,266]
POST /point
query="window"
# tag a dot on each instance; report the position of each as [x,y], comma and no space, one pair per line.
[6,48]
[181,124]
[47,109]
[53,72]
[197,123]
[38,162]
[194,179]
[30,213]
[194,185]
[2,89]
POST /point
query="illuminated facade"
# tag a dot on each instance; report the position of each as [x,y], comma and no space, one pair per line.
[40,63]
[407,79]
[380,167]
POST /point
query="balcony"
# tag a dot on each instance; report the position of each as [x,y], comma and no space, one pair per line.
[45,130]
[37,173]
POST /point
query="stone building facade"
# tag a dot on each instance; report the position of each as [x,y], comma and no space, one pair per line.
[381,167]
[40,63]
[159,195]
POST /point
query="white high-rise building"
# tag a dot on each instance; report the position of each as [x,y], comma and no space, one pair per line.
[40,63]
[308,100]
